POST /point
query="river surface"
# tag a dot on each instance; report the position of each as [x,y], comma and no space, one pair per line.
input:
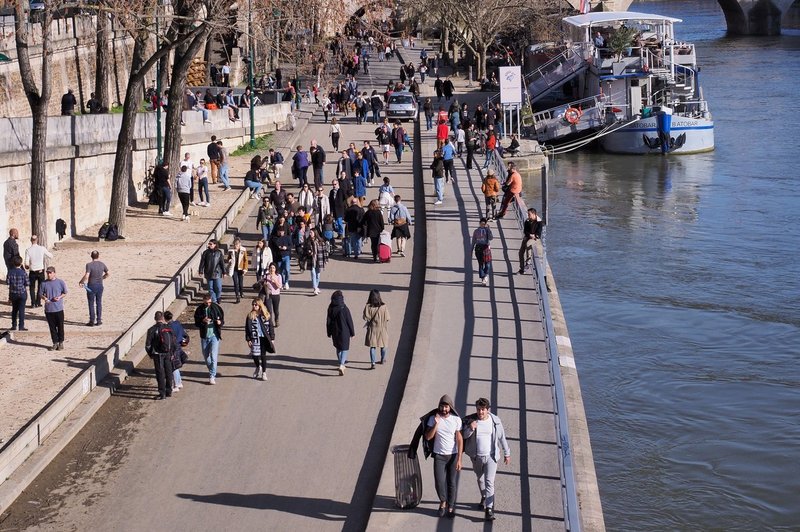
[680,281]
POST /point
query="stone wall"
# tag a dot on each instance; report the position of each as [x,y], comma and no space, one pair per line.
[80,162]
[73,63]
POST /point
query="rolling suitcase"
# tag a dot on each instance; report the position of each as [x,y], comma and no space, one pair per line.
[384,253]
[407,478]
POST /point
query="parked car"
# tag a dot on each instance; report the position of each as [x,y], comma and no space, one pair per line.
[402,106]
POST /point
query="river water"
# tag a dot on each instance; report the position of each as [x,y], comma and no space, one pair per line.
[680,281]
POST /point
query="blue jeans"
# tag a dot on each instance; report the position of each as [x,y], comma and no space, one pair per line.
[314,278]
[376,115]
[202,190]
[285,268]
[265,232]
[210,347]
[429,122]
[372,351]
[18,310]
[438,185]
[342,356]
[223,175]
[355,244]
[338,223]
[398,152]
[94,295]
[176,378]
[166,199]
[489,157]
[254,186]
[215,289]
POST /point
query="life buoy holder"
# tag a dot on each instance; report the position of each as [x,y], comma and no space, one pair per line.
[573,115]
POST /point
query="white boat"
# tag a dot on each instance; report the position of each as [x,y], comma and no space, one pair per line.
[643,98]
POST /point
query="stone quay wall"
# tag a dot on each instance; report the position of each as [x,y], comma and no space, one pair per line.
[80,162]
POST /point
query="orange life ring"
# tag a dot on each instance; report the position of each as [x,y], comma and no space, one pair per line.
[572,115]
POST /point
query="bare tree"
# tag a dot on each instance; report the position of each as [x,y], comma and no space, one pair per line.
[38,98]
[102,64]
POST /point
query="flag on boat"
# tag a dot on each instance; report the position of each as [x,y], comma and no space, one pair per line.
[585,6]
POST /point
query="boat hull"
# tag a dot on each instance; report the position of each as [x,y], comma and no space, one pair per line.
[686,135]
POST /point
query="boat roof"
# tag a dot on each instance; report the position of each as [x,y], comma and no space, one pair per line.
[593,19]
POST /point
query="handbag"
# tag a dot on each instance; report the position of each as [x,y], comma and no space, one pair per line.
[399,221]
[270,344]
[487,254]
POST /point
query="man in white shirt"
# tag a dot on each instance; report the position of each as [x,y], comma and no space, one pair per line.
[444,428]
[35,263]
[484,438]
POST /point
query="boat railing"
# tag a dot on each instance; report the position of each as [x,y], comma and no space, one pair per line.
[555,71]
[558,111]
[569,487]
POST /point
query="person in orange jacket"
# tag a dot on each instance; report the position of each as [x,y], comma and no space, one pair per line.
[512,188]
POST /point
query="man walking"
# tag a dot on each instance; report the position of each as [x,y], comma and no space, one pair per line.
[444,428]
[92,281]
[448,158]
[35,262]
[484,438]
[160,345]
[212,267]
[212,150]
[512,188]
[318,158]
[532,231]
[52,292]
[17,293]
[209,318]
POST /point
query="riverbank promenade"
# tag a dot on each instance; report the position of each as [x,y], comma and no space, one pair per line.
[309,448]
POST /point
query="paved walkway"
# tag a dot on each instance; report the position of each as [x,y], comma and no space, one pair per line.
[308,449]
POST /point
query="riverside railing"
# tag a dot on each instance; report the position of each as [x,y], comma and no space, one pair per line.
[568,483]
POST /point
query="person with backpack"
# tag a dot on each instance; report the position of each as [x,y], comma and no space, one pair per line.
[180,356]
[209,318]
[483,251]
[376,104]
[490,189]
[160,345]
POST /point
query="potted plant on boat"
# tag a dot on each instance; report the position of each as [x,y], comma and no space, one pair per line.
[620,43]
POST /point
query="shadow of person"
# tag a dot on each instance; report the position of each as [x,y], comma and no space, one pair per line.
[324,509]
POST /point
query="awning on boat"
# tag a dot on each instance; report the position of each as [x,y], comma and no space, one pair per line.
[600,17]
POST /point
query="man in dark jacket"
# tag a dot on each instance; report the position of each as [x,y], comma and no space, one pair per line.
[372,158]
[338,203]
[317,163]
[161,188]
[11,248]
[212,267]
[339,326]
[213,152]
[68,103]
[532,231]
[209,318]
[447,88]
[352,221]
[345,164]
[160,344]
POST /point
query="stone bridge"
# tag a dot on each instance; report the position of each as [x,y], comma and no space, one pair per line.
[744,17]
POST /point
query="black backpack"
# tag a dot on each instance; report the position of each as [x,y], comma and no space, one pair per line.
[112,233]
[164,342]
[103,232]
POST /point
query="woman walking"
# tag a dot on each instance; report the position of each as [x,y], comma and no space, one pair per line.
[202,184]
[260,335]
[334,133]
[183,185]
[339,326]
[373,227]
[376,316]
[483,252]
[271,286]
[401,222]
[237,266]
[262,257]
[315,251]
[266,218]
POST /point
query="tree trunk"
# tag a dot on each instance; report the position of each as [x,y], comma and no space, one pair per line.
[122,161]
[101,91]
[172,133]
[38,101]
[482,61]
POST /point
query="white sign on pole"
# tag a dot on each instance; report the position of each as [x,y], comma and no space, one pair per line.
[510,84]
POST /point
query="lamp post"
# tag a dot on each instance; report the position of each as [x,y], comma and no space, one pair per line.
[250,72]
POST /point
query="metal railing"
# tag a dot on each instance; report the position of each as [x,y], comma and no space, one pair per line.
[569,490]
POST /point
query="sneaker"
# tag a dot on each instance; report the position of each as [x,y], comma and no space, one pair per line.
[372,365]
[60,346]
[208,204]
[402,253]
[180,386]
[264,376]
[166,213]
[341,369]
[212,380]
[437,202]
[192,203]
[286,286]
[53,347]
[316,291]
[183,217]
[90,324]
[485,281]
[489,514]
[206,121]
[99,323]
[188,218]
[175,389]
[257,373]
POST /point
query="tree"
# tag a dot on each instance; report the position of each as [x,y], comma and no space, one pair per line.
[102,59]
[38,99]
